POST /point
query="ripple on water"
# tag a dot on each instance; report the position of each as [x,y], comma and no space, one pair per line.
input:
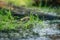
[44,30]
[47,30]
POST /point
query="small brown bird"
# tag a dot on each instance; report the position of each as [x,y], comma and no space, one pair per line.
[25,19]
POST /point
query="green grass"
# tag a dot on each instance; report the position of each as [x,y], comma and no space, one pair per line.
[7,21]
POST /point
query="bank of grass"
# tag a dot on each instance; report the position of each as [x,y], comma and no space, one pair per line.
[8,22]
[28,4]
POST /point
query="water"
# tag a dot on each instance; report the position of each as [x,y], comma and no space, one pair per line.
[45,31]
[48,32]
